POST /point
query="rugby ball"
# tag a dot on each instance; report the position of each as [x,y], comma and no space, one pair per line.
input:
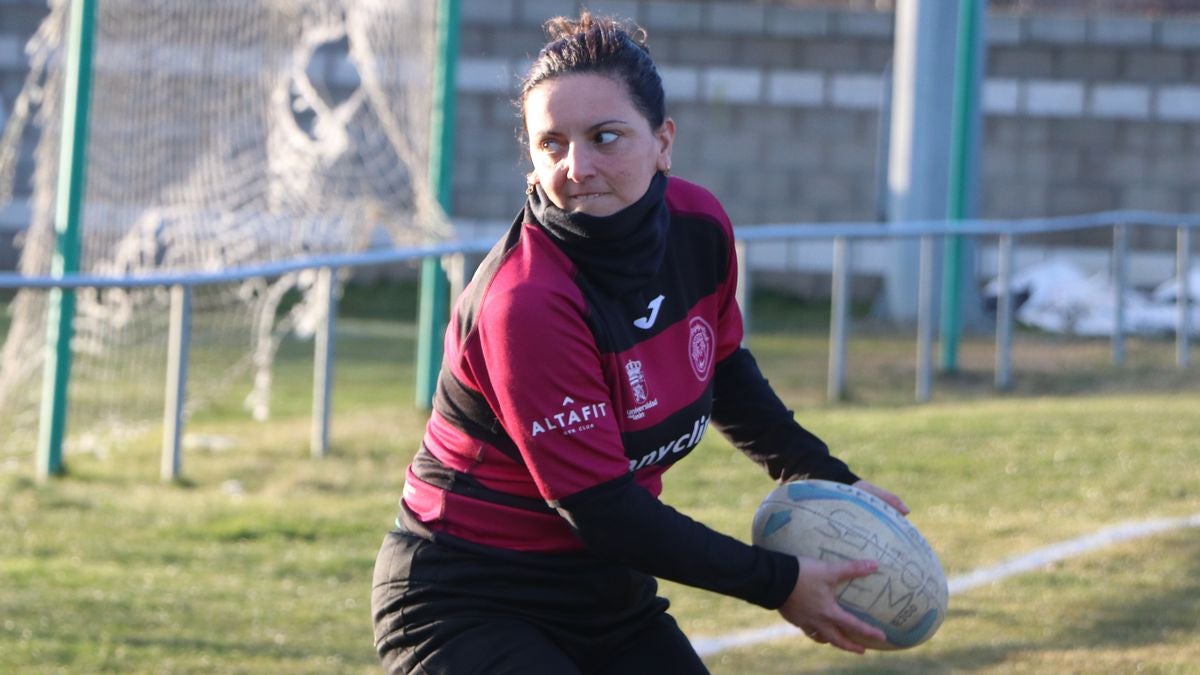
[905,598]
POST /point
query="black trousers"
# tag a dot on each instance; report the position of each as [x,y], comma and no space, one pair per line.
[441,608]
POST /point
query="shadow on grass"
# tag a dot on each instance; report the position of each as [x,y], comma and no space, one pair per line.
[1129,621]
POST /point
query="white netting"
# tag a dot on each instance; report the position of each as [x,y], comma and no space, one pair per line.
[223,133]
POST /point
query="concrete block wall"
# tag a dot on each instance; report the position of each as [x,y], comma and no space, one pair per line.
[778,108]
[1092,114]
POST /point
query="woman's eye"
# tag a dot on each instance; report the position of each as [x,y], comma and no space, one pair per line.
[605,137]
[549,146]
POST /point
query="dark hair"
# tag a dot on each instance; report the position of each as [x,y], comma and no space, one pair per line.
[604,46]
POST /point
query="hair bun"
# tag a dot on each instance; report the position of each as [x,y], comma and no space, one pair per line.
[561,27]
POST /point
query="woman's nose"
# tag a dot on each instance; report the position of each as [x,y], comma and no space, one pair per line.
[579,163]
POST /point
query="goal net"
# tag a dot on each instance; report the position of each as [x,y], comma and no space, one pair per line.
[223,133]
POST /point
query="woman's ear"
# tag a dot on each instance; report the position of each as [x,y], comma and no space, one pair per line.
[666,139]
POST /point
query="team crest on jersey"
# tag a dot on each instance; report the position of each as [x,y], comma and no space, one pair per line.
[701,347]
[641,392]
[573,418]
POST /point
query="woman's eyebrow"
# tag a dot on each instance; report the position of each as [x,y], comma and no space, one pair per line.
[606,123]
[595,127]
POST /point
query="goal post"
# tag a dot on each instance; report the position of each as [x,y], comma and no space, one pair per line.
[435,286]
[60,313]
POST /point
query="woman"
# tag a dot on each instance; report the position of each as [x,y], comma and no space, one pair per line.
[594,346]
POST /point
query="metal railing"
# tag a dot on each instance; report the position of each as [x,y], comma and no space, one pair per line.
[841,234]
[1007,232]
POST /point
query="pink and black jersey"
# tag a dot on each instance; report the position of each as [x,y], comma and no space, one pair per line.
[587,357]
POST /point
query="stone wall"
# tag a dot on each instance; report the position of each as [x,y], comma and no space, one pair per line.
[778,108]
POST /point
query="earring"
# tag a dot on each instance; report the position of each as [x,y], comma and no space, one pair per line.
[529,189]
[667,171]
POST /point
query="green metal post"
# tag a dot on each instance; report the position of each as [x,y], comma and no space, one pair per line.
[68,215]
[435,288]
[961,146]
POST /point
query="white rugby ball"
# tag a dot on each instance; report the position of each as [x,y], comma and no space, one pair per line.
[905,598]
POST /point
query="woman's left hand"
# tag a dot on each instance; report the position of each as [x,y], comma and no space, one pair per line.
[892,500]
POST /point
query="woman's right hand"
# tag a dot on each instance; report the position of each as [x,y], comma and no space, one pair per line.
[814,608]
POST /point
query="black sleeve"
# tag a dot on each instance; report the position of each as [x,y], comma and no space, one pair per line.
[621,521]
[749,413]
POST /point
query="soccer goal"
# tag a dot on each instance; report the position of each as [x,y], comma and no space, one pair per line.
[223,134]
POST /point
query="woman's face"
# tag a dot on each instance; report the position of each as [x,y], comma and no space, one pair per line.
[593,152]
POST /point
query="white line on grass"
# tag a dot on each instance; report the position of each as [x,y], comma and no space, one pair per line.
[1024,563]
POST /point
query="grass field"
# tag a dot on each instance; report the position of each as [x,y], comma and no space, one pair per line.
[259,561]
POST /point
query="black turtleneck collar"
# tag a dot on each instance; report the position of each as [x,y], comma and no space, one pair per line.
[620,252]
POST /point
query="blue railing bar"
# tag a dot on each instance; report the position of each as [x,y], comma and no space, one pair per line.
[362,259]
[875,230]
[852,230]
